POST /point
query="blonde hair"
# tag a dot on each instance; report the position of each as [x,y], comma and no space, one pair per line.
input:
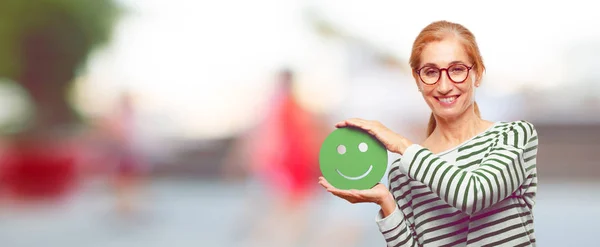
[437,31]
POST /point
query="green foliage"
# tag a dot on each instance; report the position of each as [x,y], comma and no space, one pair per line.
[83,24]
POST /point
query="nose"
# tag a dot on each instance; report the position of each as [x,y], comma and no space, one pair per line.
[444,86]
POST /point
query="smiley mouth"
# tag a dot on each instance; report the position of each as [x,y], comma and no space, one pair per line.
[355,178]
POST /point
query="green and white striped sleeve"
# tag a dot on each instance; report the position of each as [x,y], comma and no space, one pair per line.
[509,161]
[395,229]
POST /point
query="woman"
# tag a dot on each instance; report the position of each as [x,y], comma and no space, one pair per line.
[280,151]
[471,182]
[130,168]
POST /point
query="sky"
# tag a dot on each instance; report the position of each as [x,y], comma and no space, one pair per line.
[208,66]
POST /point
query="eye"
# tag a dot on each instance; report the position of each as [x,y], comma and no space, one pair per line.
[430,72]
[458,69]
[341,149]
[363,147]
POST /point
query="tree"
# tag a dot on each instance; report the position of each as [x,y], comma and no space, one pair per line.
[43,44]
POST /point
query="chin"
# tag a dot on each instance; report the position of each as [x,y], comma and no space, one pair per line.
[450,113]
[447,115]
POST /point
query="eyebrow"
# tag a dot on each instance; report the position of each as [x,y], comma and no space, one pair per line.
[435,65]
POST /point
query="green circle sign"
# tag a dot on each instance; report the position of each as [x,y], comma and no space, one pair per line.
[352,159]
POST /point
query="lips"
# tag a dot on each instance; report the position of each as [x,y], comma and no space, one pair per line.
[447,100]
[355,178]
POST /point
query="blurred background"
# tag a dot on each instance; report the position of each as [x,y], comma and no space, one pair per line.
[198,123]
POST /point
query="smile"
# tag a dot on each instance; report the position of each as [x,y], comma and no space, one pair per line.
[447,100]
[355,178]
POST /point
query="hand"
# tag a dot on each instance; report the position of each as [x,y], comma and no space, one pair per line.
[392,141]
[378,194]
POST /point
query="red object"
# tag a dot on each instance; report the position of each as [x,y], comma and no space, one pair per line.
[287,150]
[37,171]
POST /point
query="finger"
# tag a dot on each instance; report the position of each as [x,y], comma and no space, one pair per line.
[343,194]
[330,187]
[324,183]
[354,122]
[341,124]
[346,122]
[337,191]
[366,126]
[374,129]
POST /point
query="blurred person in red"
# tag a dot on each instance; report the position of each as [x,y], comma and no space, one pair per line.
[283,159]
[130,167]
[286,154]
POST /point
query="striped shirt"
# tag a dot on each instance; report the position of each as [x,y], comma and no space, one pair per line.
[480,193]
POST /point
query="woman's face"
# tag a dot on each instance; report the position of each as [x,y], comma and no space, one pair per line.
[447,99]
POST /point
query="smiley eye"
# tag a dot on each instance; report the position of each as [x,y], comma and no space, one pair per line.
[363,147]
[341,149]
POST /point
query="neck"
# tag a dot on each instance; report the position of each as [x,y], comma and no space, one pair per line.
[460,129]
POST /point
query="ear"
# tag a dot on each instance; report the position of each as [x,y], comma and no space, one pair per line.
[475,79]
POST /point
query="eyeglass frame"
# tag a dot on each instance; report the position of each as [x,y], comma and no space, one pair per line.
[418,71]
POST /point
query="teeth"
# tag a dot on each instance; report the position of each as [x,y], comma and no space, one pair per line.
[448,99]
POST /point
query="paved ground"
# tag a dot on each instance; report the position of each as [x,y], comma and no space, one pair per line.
[201,213]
